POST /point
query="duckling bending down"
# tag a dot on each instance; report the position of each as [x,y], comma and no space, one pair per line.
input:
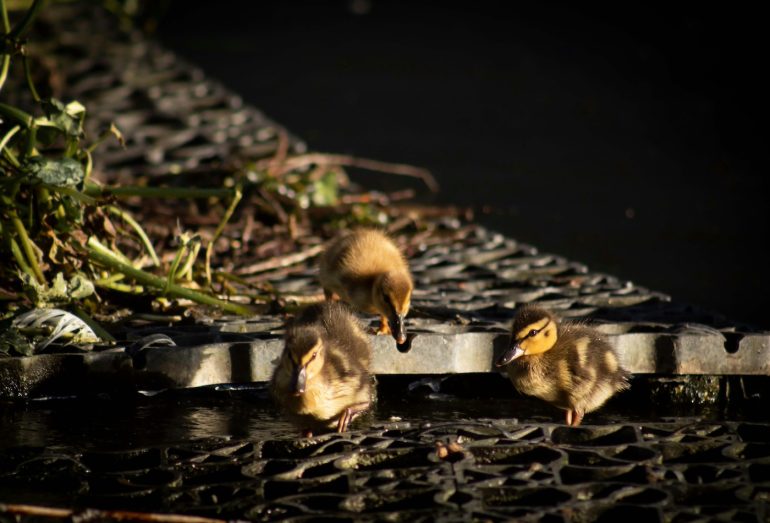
[365,269]
[322,380]
[570,365]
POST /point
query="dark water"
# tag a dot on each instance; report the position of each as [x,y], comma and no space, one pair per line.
[228,454]
[182,416]
[247,413]
[625,137]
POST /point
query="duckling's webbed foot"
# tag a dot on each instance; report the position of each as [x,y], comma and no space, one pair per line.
[384,326]
[349,414]
[574,417]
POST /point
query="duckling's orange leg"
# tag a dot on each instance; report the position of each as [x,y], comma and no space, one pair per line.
[342,423]
[384,326]
[331,295]
[307,433]
[574,417]
[349,415]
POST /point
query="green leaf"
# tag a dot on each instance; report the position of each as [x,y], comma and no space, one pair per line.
[114,131]
[63,172]
[13,343]
[73,214]
[325,190]
[59,291]
[47,136]
[80,287]
[18,5]
[66,118]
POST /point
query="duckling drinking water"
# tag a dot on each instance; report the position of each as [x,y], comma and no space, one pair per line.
[365,269]
[322,380]
[571,366]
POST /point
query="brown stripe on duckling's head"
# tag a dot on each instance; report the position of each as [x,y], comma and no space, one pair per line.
[392,296]
[396,287]
[305,356]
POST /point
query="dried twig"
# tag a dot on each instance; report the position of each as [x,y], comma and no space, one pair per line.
[273,204]
[400,223]
[281,151]
[248,229]
[280,261]
[94,514]
[304,160]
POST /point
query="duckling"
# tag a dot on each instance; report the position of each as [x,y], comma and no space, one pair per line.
[365,269]
[322,380]
[571,366]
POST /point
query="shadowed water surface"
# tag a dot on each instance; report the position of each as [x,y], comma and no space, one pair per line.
[248,413]
[430,449]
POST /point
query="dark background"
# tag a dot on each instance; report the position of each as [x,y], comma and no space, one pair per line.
[625,137]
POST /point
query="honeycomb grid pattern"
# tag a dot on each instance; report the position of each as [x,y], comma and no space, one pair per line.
[468,279]
[687,470]
[173,117]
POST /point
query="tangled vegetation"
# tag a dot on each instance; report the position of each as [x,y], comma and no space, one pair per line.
[70,242]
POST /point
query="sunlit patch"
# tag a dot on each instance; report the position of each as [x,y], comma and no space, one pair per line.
[537,337]
[532,326]
[549,330]
[581,348]
[611,361]
[399,292]
[309,355]
[403,307]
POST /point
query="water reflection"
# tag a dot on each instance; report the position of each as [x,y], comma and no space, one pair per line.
[175,417]
[178,417]
[135,422]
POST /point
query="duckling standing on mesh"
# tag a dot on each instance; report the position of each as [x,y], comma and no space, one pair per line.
[365,269]
[322,380]
[571,366]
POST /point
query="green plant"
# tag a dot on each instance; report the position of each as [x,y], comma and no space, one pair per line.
[68,241]
[53,220]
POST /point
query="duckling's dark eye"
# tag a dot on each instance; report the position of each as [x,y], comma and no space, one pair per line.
[313,356]
[532,332]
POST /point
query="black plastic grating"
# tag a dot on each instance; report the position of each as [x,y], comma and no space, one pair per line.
[668,471]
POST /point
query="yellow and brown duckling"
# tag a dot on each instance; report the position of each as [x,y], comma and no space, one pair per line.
[364,268]
[569,365]
[322,380]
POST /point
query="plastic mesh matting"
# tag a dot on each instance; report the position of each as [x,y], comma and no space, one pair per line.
[500,470]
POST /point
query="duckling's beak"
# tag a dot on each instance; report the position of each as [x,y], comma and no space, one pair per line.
[298,381]
[397,328]
[513,352]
